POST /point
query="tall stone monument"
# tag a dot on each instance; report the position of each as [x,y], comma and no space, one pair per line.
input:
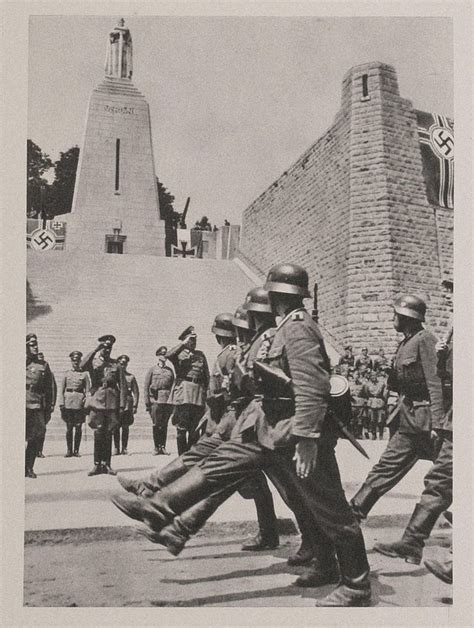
[115,207]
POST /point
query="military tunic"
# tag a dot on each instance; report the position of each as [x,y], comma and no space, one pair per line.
[218,392]
[157,389]
[40,398]
[126,417]
[74,387]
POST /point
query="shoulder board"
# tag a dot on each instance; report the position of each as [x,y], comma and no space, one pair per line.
[297,316]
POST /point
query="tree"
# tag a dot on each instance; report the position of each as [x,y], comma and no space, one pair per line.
[37,187]
[62,189]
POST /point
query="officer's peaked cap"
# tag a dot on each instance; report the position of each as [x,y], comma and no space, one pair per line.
[411,306]
[123,356]
[75,354]
[106,337]
[288,279]
[160,349]
[240,318]
[31,336]
[186,332]
[258,300]
[223,325]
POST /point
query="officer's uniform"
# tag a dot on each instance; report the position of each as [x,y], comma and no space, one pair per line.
[127,416]
[359,407]
[40,400]
[363,363]
[375,394]
[189,393]
[73,390]
[420,409]
[157,389]
[108,395]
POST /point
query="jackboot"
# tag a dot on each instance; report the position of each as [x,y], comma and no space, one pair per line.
[317,575]
[156,481]
[107,454]
[267,537]
[182,441]
[125,433]
[30,457]
[116,437]
[421,525]
[304,554]
[40,445]
[77,440]
[363,501]
[69,442]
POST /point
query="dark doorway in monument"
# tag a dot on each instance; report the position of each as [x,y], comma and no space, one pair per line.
[114,243]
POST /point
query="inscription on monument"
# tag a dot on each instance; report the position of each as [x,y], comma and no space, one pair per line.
[130,111]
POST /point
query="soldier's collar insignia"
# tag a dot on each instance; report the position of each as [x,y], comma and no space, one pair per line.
[295,315]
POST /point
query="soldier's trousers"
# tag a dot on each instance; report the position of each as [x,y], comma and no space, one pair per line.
[436,497]
[231,465]
[160,415]
[402,452]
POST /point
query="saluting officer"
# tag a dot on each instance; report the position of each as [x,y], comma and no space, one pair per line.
[109,393]
[75,386]
[420,411]
[157,388]
[127,417]
[40,400]
[189,392]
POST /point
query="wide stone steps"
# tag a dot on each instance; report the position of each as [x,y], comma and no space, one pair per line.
[145,301]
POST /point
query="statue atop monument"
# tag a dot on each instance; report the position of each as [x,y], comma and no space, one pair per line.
[119,58]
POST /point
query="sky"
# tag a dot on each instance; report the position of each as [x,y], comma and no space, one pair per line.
[234,101]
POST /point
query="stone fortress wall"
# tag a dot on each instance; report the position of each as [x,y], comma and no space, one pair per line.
[353,210]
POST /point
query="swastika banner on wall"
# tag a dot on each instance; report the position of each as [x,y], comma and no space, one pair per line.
[436,135]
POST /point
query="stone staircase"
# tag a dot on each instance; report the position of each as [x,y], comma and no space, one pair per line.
[145,301]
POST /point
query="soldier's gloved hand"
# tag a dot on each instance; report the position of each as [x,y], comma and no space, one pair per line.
[306,454]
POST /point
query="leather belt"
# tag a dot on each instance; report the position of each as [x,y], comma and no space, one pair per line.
[194,380]
[73,390]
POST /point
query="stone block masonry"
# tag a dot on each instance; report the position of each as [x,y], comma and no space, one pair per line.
[353,210]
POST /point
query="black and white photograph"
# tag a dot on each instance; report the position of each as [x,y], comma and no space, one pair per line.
[239,242]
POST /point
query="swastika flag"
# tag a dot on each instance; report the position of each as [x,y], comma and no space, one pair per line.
[436,135]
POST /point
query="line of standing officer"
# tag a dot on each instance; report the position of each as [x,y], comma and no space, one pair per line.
[73,390]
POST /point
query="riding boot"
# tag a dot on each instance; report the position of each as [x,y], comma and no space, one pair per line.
[156,437]
[107,453]
[30,457]
[363,501]
[117,441]
[98,447]
[181,441]
[40,445]
[324,568]
[69,441]
[125,433]
[304,554]
[77,439]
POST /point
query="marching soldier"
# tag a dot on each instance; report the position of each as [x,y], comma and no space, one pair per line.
[108,397]
[189,393]
[420,409]
[127,417]
[158,384]
[40,401]
[294,411]
[47,416]
[75,386]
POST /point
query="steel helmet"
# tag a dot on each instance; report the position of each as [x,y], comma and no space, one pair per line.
[411,306]
[240,318]
[288,279]
[223,325]
[258,300]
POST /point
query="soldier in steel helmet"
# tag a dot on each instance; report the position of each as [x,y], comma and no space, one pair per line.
[127,417]
[420,415]
[285,420]
[157,389]
[108,397]
[189,392]
[73,390]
